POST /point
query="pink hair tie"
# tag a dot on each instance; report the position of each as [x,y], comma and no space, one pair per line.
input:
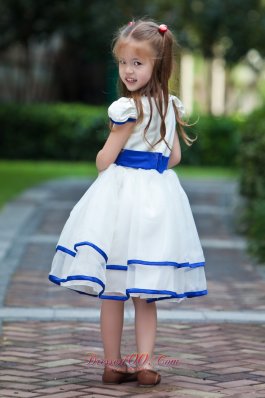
[162,28]
[131,23]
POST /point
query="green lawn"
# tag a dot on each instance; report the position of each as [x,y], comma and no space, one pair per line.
[15,176]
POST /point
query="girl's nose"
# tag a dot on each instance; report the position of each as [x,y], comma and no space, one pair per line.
[129,69]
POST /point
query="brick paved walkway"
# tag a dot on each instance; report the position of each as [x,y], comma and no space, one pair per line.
[50,359]
[54,360]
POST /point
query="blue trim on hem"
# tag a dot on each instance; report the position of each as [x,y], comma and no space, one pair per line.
[58,281]
[129,120]
[183,295]
[166,263]
[73,254]
[100,251]
[169,294]
[117,267]
[65,250]
[118,298]
[132,261]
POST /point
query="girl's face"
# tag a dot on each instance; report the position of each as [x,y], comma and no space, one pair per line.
[136,62]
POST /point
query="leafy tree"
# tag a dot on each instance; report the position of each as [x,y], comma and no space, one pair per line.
[22,20]
[214,28]
[86,28]
[227,28]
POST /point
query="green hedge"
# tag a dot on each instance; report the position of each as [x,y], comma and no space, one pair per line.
[52,131]
[252,181]
[77,132]
[217,141]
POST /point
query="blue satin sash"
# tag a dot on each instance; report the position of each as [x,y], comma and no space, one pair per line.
[142,160]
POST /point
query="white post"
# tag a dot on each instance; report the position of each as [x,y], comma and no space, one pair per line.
[218,87]
[187,81]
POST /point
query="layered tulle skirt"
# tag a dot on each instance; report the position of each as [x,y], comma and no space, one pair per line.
[132,234]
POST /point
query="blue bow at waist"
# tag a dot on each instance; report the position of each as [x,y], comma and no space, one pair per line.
[142,160]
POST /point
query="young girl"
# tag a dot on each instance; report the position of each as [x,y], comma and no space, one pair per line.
[132,234]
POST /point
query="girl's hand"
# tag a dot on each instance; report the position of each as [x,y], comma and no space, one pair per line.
[116,140]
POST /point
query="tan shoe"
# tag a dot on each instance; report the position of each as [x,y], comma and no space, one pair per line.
[115,376]
[148,378]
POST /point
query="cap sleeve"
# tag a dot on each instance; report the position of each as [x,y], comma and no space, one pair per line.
[179,105]
[122,111]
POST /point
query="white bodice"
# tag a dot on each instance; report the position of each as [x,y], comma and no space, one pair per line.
[124,109]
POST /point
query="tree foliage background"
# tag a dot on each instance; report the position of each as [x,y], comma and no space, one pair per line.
[227,28]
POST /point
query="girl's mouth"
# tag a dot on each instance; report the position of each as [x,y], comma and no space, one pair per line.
[130,80]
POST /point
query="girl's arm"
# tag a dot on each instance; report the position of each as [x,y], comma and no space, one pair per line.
[116,140]
[175,156]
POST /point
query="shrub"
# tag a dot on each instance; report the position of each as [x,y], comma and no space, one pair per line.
[77,132]
[252,181]
[255,228]
[217,141]
[52,131]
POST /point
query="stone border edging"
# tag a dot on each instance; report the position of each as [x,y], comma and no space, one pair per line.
[17,314]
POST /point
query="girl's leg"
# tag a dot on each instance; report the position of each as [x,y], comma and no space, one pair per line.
[111,323]
[145,330]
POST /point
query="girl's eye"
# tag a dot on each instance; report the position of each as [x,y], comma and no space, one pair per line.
[121,61]
[137,63]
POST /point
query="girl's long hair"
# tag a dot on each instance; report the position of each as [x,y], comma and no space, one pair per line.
[164,48]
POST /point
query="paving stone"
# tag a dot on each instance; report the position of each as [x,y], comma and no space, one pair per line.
[19,373]
[60,362]
[260,373]
[61,388]
[105,390]
[203,394]
[19,379]
[67,394]
[60,369]
[15,393]
[237,383]
[19,386]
